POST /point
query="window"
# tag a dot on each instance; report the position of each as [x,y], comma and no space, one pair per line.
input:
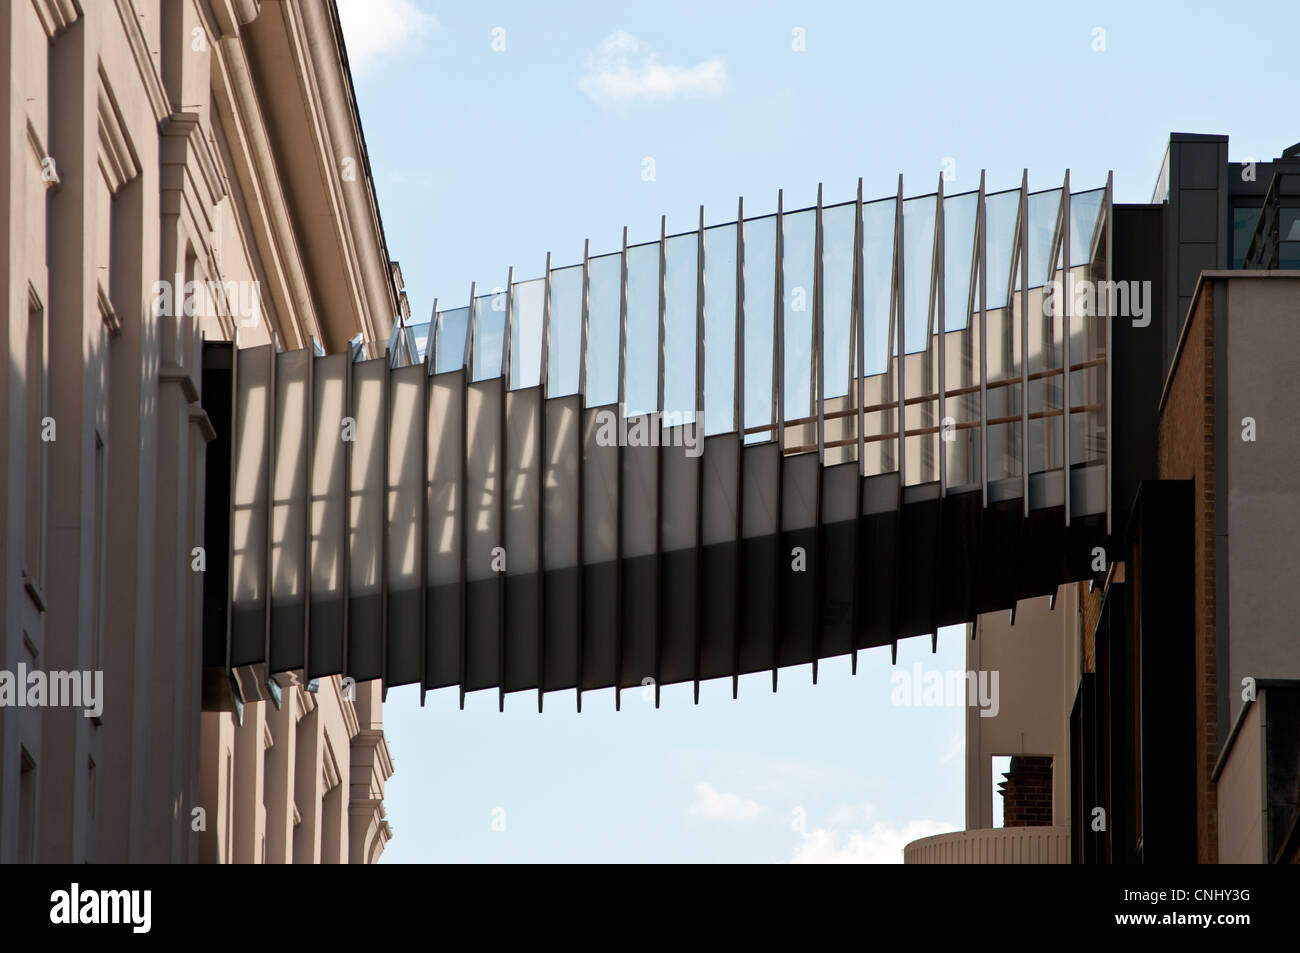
[1243,227]
[1288,250]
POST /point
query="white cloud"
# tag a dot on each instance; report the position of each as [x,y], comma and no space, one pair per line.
[881,844]
[622,70]
[719,805]
[374,29]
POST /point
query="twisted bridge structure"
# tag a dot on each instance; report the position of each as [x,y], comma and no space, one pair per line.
[745,447]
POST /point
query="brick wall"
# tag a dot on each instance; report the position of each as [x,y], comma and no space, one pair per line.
[1186,452]
[1027,792]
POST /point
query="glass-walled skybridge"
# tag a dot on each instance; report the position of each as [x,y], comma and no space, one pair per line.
[692,458]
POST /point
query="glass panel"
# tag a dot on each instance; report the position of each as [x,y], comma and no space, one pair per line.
[760,280]
[489,334]
[918,254]
[642,394]
[1288,238]
[526,339]
[681,260]
[1085,209]
[1000,212]
[959,212]
[453,325]
[837,296]
[421,337]
[878,344]
[921,364]
[414,347]
[877,270]
[566,330]
[1044,207]
[799,244]
[602,330]
[1243,228]
[719,328]
[1289,228]
[961,342]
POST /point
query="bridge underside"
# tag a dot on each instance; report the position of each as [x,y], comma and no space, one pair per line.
[440,523]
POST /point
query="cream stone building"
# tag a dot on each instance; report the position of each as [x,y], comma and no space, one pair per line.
[155,147]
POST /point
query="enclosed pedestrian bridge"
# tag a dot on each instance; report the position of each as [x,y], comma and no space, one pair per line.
[731,450]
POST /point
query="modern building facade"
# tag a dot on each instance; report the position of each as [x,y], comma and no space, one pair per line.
[1173,733]
[176,172]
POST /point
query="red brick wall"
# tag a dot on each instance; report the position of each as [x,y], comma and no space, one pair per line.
[1186,452]
[1027,792]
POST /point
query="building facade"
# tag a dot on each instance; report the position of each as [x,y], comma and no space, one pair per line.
[176,172]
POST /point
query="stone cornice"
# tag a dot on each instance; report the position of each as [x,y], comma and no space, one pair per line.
[342,125]
[150,80]
[255,168]
[117,159]
[230,15]
[56,15]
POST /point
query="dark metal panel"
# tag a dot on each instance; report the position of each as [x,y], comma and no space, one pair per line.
[659,478]
[503,475]
[407,529]
[521,508]
[620,622]
[738,395]
[366,522]
[580,676]
[764,581]
[601,546]
[777,614]
[251,450]
[445,494]
[818,375]
[327,556]
[544,387]
[720,536]
[698,624]
[288,512]
[859,325]
[562,545]
[484,554]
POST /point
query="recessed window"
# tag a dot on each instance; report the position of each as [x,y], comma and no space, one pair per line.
[1243,227]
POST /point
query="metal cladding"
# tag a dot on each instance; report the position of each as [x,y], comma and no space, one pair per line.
[697,458]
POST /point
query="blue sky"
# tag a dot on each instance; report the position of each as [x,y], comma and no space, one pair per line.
[486,157]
